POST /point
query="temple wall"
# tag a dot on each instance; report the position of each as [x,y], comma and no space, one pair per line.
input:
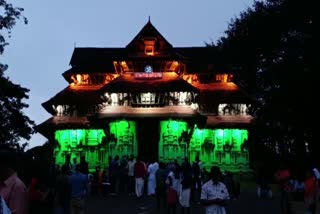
[96,144]
[226,148]
[172,146]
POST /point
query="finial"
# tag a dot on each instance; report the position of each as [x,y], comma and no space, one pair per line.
[149,19]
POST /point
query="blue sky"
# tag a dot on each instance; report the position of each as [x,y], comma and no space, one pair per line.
[40,52]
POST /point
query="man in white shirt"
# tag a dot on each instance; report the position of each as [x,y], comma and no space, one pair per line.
[214,194]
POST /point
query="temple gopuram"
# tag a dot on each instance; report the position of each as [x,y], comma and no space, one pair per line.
[149,99]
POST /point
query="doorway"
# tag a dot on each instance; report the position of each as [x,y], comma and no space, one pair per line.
[148,139]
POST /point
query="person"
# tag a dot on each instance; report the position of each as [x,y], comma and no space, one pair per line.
[38,195]
[297,189]
[264,189]
[316,173]
[174,176]
[229,182]
[172,196]
[115,175]
[123,174]
[152,168]
[214,194]
[185,194]
[3,207]
[62,193]
[311,192]
[161,185]
[186,168]
[74,164]
[79,189]
[68,165]
[96,186]
[12,189]
[130,166]
[84,167]
[283,176]
[139,173]
[197,176]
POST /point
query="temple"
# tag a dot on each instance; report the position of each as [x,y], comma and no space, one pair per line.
[153,100]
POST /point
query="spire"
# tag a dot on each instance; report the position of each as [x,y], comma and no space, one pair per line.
[149,31]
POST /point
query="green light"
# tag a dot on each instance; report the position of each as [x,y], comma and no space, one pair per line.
[220,147]
[95,145]
[172,145]
[225,148]
[123,138]
[220,132]
[76,142]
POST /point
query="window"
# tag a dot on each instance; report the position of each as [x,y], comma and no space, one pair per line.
[233,109]
[149,50]
[149,46]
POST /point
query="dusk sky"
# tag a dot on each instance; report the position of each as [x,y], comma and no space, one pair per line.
[40,52]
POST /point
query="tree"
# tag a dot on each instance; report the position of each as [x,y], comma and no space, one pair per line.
[14,124]
[270,48]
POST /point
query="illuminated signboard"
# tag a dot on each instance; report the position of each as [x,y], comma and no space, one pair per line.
[148,73]
[145,75]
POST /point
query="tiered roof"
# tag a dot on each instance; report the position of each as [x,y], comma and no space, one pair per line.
[169,82]
[197,60]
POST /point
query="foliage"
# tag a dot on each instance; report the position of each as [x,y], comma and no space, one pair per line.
[14,124]
[269,47]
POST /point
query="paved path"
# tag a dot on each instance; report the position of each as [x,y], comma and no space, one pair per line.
[247,204]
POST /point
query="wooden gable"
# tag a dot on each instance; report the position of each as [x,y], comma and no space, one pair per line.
[149,41]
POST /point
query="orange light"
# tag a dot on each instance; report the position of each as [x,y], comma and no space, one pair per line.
[174,65]
[79,79]
[149,46]
[149,50]
[110,77]
[124,66]
[190,78]
[224,77]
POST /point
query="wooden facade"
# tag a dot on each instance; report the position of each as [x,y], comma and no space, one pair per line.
[150,99]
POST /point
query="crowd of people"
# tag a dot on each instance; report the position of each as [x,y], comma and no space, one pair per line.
[293,187]
[172,184]
[63,189]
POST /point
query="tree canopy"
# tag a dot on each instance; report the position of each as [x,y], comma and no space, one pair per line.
[14,124]
[269,46]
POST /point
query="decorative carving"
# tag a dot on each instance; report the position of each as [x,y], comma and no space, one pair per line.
[208,147]
[227,147]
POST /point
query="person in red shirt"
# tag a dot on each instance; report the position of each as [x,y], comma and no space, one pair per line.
[311,192]
[282,176]
[172,196]
[140,172]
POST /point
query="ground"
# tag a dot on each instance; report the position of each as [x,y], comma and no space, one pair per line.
[123,204]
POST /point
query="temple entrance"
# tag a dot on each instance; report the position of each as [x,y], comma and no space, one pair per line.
[148,139]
